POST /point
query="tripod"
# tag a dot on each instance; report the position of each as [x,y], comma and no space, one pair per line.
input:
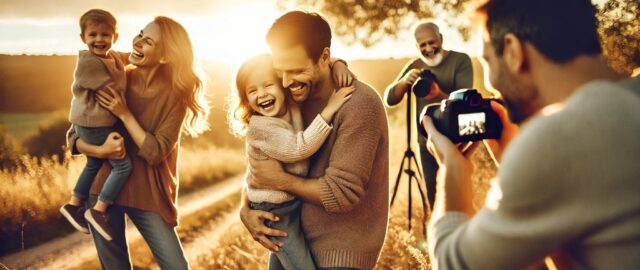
[410,156]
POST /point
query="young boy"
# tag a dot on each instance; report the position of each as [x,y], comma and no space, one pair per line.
[97,68]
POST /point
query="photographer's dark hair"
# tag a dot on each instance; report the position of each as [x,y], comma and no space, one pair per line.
[560,30]
[299,27]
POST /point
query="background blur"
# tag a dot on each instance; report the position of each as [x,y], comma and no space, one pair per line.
[39,41]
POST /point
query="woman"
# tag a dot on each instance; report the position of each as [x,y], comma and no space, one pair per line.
[165,96]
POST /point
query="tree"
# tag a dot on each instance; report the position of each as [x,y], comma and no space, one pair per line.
[370,21]
[620,34]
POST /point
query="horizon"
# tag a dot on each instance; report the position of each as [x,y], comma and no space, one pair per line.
[218,30]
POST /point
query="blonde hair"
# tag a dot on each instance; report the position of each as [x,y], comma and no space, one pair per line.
[100,16]
[184,73]
[239,111]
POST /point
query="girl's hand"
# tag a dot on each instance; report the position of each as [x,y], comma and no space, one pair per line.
[342,76]
[335,102]
[113,101]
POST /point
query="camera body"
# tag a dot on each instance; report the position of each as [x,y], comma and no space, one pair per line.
[464,117]
[422,86]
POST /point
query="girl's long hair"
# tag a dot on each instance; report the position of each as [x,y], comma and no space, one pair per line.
[239,112]
[185,73]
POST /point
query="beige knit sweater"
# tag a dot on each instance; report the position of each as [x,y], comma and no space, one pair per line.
[94,73]
[285,140]
[353,166]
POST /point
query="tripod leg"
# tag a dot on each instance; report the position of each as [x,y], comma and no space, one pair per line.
[418,168]
[409,202]
[424,208]
[395,189]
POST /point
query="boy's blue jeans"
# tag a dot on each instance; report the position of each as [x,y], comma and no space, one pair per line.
[121,168]
[295,254]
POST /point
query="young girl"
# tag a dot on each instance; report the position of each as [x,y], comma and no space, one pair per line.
[274,129]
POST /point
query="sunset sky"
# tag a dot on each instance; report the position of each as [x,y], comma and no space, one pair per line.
[228,31]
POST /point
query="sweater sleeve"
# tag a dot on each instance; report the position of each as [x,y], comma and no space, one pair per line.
[548,193]
[160,142]
[464,74]
[279,141]
[389,97]
[353,153]
[91,74]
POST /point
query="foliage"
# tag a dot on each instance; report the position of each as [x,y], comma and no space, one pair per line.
[620,34]
[368,22]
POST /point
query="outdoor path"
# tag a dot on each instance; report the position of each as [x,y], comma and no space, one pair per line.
[208,212]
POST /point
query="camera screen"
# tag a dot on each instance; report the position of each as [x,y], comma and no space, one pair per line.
[471,124]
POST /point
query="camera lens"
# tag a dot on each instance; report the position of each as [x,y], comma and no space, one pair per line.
[421,87]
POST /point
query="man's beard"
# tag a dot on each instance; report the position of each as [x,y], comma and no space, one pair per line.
[522,106]
[436,60]
[521,101]
[516,112]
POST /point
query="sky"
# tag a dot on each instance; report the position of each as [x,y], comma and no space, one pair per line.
[221,30]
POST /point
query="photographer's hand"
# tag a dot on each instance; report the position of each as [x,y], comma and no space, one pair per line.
[404,84]
[411,77]
[509,131]
[453,192]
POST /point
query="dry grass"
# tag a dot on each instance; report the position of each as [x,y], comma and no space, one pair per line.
[32,193]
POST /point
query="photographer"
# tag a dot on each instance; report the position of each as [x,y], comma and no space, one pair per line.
[568,184]
[452,71]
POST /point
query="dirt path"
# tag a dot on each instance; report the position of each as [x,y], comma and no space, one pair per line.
[207,211]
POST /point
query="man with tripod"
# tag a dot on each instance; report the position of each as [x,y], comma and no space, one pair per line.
[452,71]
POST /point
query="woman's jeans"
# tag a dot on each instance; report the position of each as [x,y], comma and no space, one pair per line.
[121,168]
[160,236]
[295,254]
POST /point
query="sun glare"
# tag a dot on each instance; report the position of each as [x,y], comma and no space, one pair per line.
[233,35]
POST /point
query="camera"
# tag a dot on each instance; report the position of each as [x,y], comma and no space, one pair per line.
[422,86]
[464,117]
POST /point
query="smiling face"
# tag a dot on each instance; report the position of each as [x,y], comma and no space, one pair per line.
[147,49]
[298,72]
[99,38]
[429,43]
[264,94]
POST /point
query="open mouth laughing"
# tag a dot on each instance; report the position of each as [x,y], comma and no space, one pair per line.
[267,104]
[137,54]
[297,87]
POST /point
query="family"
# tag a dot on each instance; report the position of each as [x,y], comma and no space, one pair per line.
[317,144]
[316,188]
